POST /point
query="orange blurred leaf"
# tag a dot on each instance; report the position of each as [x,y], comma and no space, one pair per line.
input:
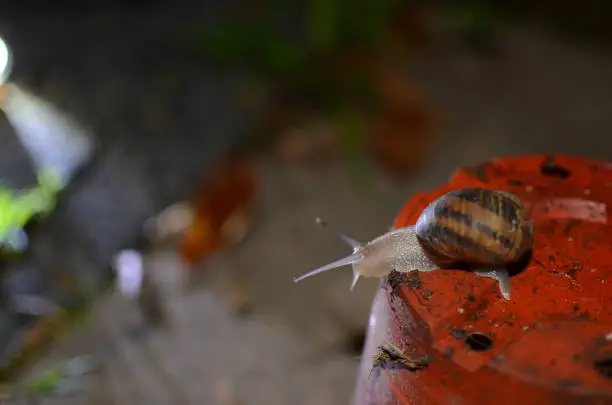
[410,27]
[314,141]
[221,212]
[403,128]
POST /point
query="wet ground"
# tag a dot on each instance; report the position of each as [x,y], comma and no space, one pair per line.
[540,94]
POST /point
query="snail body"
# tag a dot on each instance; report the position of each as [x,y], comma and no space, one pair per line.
[485,229]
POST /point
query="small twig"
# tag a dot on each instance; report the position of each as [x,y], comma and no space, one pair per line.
[389,357]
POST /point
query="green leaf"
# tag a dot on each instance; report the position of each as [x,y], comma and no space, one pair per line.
[45,383]
[323,20]
[279,56]
[228,44]
[351,126]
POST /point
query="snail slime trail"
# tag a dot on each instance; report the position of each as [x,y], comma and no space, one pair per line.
[485,229]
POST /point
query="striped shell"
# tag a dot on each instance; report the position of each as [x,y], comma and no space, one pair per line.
[477,226]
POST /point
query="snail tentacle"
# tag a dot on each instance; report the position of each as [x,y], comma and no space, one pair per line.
[501,275]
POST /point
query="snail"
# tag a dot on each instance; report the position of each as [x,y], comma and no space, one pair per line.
[485,229]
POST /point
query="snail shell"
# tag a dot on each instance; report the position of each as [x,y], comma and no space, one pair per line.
[476,226]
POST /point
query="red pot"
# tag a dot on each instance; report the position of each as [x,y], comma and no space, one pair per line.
[551,344]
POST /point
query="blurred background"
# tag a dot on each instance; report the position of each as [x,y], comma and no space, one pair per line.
[222,129]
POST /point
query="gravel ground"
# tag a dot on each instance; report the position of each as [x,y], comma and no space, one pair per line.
[538,95]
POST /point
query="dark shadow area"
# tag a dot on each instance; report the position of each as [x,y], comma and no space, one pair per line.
[478,342]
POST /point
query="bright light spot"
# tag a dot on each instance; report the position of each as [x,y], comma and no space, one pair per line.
[372,321]
[4,61]
[128,265]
